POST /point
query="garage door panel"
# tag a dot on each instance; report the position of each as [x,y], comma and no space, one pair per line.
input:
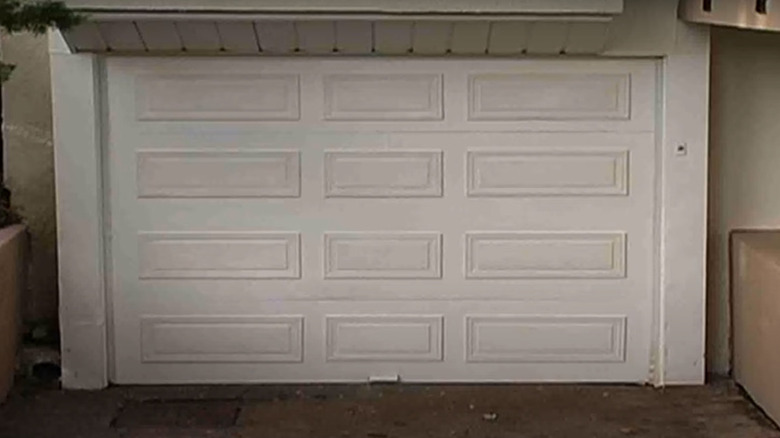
[359,97]
[549,96]
[221,339]
[545,255]
[529,172]
[217,96]
[218,174]
[619,97]
[370,219]
[383,174]
[545,339]
[399,338]
[219,255]
[382,255]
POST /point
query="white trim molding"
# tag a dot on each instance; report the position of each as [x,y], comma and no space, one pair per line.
[683,221]
[77,152]
[678,342]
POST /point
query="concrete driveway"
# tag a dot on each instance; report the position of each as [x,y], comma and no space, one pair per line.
[408,411]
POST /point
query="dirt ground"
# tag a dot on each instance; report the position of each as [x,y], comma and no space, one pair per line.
[408,411]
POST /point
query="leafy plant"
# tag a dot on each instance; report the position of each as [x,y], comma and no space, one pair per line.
[33,16]
[5,71]
[27,16]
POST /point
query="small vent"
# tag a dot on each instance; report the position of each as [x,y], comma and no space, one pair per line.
[762,6]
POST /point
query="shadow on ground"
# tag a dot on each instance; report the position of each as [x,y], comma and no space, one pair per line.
[408,411]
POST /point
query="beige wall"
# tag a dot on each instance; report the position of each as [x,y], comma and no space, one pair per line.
[757,317]
[744,159]
[13,250]
[29,164]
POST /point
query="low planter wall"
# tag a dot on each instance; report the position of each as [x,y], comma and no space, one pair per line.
[756,316]
[13,266]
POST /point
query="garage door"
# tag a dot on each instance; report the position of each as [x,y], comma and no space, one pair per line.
[297,220]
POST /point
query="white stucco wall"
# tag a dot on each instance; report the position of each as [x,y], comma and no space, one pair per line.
[744,159]
[29,164]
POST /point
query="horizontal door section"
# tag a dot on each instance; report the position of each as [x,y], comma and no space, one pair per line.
[571,95]
[333,341]
[382,337]
[382,255]
[520,171]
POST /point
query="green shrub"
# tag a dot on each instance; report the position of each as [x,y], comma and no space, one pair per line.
[33,16]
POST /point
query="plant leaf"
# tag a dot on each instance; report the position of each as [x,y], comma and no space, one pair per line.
[36,16]
[5,71]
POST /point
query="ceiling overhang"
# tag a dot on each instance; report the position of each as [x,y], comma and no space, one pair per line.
[337,27]
[358,6]
[745,14]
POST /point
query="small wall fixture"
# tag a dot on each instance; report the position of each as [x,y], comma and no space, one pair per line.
[746,14]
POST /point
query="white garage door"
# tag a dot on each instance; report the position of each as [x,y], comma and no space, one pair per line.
[343,220]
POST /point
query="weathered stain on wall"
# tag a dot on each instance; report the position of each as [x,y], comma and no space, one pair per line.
[29,164]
